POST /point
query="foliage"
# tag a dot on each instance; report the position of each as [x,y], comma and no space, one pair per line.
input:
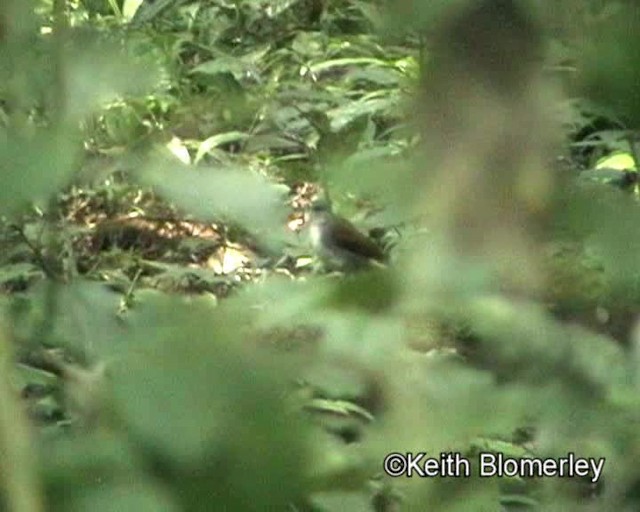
[165,343]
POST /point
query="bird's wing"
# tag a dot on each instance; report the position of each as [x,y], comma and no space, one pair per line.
[347,237]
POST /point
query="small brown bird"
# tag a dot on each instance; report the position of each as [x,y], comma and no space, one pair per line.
[338,243]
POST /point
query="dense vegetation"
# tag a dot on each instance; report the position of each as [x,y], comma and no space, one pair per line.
[169,341]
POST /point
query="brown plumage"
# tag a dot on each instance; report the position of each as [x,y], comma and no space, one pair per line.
[339,243]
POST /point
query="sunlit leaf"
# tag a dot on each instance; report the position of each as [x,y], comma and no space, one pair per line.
[179,150]
[620,161]
[218,140]
[129,8]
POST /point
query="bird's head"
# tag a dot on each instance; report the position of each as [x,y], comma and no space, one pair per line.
[320,206]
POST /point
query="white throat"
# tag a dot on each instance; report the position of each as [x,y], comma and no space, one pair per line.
[315,232]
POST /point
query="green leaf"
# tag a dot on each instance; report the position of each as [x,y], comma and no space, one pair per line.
[101,71]
[124,496]
[344,62]
[84,316]
[211,194]
[336,501]
[206,412]
[33,168]
[217,140]
[18,272]
[619,161]
[611,66]
[130,7]
[98,471]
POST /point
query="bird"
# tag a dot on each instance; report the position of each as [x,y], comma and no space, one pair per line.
[339,244]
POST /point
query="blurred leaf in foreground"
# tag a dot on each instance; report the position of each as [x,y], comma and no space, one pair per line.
[213,420]
[33,168]
[217,193]
[101,70]
[611,64]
